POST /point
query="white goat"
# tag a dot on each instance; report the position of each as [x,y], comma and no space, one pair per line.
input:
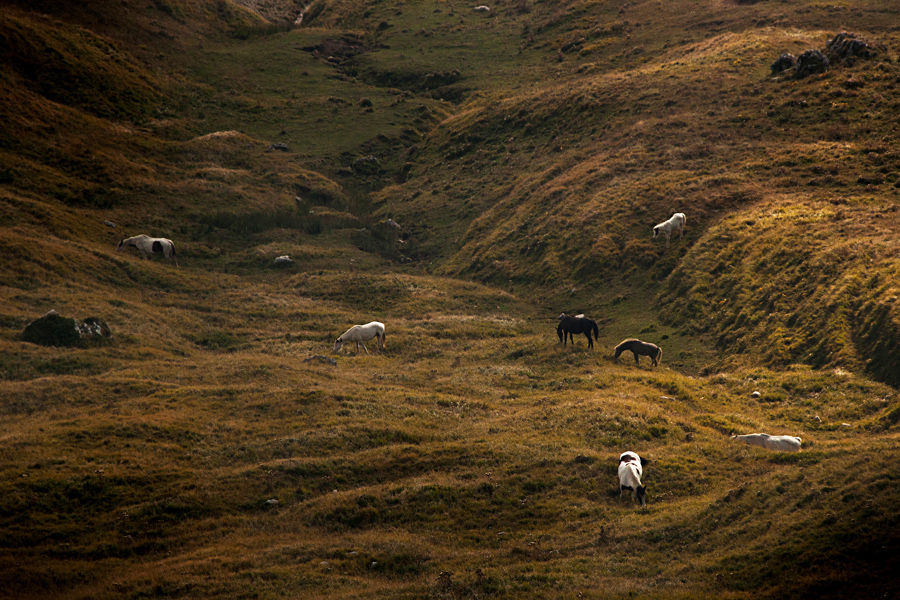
[779,443]
[667,228]
[631,467]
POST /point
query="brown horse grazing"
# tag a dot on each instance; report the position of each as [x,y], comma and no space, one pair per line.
[569,326]
[639,348]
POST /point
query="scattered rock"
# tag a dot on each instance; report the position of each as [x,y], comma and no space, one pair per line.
[811,62]
[109,224]
[869,180]
[755,395]
[482,8]
[392,223]
[320,358]
[272,502]
[54,330]
[367,165]
[844,47]
[279,146]
[785,62]
[283,260]
[94,330]
[581,459]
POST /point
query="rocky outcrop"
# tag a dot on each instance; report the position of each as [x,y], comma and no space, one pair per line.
[55,330]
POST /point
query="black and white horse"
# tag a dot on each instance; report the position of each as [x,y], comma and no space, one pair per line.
[631,468]
[148,245]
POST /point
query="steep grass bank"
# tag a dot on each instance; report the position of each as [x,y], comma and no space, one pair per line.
[797,281]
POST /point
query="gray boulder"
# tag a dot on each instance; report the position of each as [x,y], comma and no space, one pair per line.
[55,330]
[811,62]
[785,62]
[845,48]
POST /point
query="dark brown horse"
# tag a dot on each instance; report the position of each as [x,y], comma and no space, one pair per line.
[639,348]
[569,326]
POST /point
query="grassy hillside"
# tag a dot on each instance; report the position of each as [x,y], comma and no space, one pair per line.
[210,449]
[561,184]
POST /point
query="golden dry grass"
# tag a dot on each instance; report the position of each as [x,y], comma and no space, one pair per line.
[201,454]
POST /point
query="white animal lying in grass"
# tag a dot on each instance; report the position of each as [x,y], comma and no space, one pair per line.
[631,467]
[781,443]
[361,334]
[667,228]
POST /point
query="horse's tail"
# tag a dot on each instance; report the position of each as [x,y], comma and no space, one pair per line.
[596,331]
[658,354]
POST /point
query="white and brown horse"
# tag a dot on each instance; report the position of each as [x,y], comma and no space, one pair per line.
[148,245]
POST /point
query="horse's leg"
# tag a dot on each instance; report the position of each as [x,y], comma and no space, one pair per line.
[637,359]
[590,341]
[364,346]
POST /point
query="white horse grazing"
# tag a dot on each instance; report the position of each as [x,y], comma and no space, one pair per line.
[148,245]
[778,443]
[631,468]
[667,228]
[361,334]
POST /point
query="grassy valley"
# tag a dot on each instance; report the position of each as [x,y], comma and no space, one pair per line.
[462,176]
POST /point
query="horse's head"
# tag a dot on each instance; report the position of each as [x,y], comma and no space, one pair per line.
[338,344]
[656,231]
[120,246]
